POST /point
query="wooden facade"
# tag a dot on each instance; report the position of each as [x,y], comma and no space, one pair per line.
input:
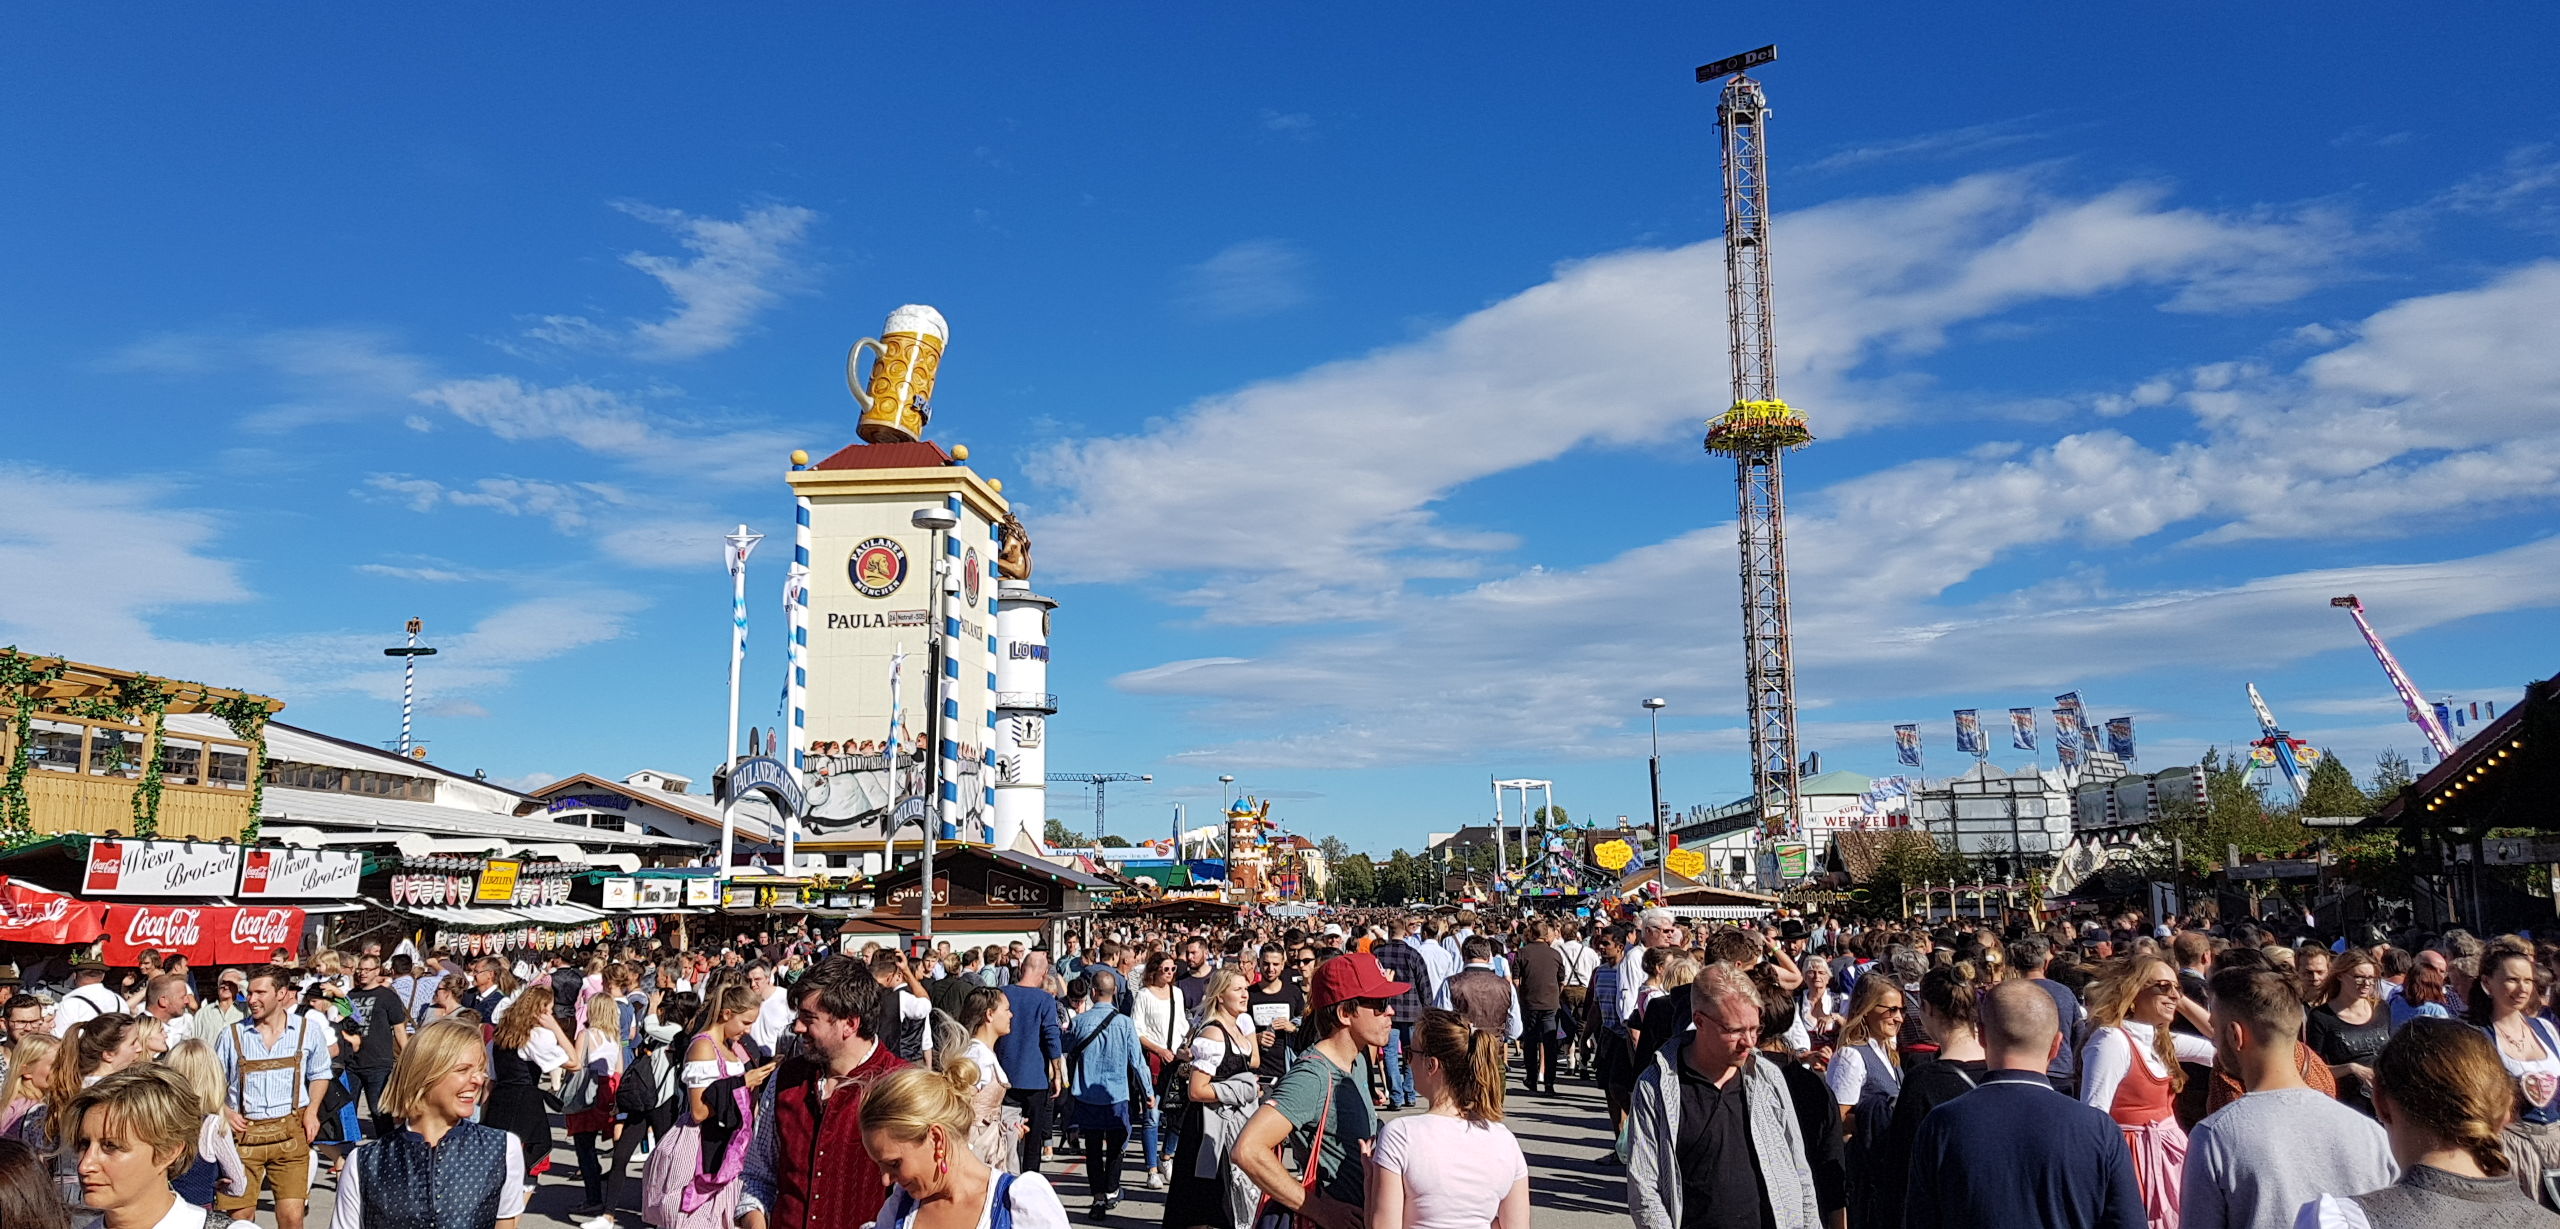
[82,771]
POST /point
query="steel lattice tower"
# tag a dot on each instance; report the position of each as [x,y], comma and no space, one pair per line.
[1757,431]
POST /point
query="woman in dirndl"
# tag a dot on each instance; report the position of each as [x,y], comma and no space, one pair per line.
[526,1048]
[691,1183]
[1219,1091]
[2129,1068]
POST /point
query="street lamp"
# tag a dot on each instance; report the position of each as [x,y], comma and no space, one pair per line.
[1226,797]
[1661,819]
[940,520]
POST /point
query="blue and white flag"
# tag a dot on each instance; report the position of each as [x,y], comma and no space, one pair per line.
[2066,730]
[1969,732]
[1906,744]
[2120,737]
[2022,728]
[2069,702]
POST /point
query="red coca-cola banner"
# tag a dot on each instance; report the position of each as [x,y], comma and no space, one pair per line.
[208,934]
[30,914]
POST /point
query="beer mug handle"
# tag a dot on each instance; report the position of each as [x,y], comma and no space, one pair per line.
[853,370]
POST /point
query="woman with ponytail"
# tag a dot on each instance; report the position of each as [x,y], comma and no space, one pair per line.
[915,1125]
[1950,995]
[2442,1096]
[2129,1068]
[1453,1166]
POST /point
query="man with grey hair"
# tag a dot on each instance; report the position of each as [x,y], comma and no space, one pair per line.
[1655,927]
[1713,1127]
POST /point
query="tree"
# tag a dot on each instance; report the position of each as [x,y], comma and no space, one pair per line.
[2235,812]
[1335,852]
[1059,836]
[1404,878]
[1549,817]
[2391,772]
[1113,840]
[1908,859]
[2332,790]
[1354,880]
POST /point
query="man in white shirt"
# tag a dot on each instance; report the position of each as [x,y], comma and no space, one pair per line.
[1655,927]
[1580,961]
[773,1007]
[89,998]
[164,998]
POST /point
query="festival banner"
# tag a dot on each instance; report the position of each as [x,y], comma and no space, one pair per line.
[1969,732]
[2069,702]
[1906,744]
[30,914]
[160,868]
[2067,752]
[212,934]
[2022,728]
[299,874]
[2120,737]
[2066,730]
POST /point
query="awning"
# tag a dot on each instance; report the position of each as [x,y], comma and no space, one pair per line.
[1718,913]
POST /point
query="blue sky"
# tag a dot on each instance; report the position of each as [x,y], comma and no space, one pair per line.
[1347,363]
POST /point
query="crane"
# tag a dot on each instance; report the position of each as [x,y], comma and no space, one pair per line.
[2282,751]
[1757,431]
[2420,713]
[1100,781]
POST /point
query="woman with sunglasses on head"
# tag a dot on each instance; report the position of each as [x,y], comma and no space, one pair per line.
[2129,1068]
[2350,1025]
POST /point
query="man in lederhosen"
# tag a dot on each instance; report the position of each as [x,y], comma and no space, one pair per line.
[275,1068]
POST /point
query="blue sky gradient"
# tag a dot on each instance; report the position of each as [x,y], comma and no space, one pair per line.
[1347,363]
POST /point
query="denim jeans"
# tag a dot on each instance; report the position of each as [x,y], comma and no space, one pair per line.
[371,1083]
[1399,1072]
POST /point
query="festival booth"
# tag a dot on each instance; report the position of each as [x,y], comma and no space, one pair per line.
[476,906]
[214,901]
[979,896]
[2505,777]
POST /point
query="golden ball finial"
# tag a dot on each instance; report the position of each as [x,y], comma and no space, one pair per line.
[959,452]
[799,456]
[996,484]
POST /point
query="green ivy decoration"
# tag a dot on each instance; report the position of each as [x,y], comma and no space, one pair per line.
[144,699]
[247,717]
[20,676]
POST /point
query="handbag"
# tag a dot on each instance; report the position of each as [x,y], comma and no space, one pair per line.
[1268,1216]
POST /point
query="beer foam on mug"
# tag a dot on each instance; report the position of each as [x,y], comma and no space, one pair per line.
[917,318]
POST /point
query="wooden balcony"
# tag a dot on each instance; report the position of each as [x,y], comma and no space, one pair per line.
[92,805]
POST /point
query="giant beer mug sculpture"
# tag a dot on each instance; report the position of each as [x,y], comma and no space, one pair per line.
[897,398]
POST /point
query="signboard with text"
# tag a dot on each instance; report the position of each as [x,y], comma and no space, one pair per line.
[160,868]
[219,934]
[299,874]
[498,883]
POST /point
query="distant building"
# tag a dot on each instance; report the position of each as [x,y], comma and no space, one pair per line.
[2007,823]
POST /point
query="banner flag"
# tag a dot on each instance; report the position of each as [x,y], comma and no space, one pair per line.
[2120,737]
[1969,732]
[2066,729]
[2068,753]
[1906,744]
[2022,728]
[2069,702]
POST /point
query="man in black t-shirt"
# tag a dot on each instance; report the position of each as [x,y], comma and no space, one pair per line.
[1277,1004]
[375,1015]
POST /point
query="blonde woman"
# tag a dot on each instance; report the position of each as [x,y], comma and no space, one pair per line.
[217,1169]
[600,1047]
[2349,1024]
[1867,1063]
[2129,1068]
[1218,1076]
[988,1016]
[125,1137]
[94,1049]
[442,1168]
[915,1124]
[30,1074]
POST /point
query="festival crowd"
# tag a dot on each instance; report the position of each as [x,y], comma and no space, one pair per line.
[1343,1071]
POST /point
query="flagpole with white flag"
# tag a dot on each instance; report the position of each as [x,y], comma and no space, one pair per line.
[741,545]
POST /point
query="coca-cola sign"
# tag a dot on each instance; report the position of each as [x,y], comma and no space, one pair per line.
[300,874]
[29,914]
[214,934]
[161,868]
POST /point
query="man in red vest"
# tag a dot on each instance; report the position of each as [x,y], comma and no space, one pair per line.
[806,1167]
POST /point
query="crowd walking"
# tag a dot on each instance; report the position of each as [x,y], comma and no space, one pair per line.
[1350,1070]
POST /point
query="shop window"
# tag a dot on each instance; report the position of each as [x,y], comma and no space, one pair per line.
[55,745]
[115,752]
[226,767]
[181,763]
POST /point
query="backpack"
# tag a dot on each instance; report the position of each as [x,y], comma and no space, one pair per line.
[638,1094]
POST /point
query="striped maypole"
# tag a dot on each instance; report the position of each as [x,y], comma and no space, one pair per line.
[741,544]
[409,655]
[795,613]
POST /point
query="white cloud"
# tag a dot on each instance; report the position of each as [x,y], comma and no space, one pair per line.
[1616,350]
[735,271]
[428,571]
[323,375]
[1298,124]
[609,424]
[113,559]
[2524,189]
[1257,277]
[1968,141]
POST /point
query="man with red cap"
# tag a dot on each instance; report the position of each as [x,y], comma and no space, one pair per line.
[1324,1100]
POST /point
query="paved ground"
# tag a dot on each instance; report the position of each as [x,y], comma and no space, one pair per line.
[1564,1135]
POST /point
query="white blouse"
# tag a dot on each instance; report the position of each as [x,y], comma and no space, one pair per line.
[2106,1059]
[1208,1050]
[1855,1068]
[1161,1020]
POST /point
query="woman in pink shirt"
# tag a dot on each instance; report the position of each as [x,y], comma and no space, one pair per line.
[1454,1166]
